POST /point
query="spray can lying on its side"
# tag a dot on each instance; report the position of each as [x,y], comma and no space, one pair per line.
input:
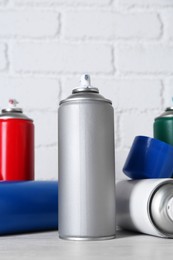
[28,206]
[16,144]
[146,206]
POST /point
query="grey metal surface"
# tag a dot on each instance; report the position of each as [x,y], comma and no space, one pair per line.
[12,110]
[8,113]
[14,115]
[86,168]
[88,238]
[87,89]
[161,207]
[85,96]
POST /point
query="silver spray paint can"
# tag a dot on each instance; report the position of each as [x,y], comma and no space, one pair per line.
[146,206]
[86,165]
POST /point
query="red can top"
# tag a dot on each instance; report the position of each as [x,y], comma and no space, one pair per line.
[13,111]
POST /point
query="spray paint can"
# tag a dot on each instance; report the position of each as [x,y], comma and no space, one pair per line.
[146,206]
[28,206]
[163,126]
[16,144]
[86,165]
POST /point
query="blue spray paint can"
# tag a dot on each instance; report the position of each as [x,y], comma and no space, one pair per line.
[28,206]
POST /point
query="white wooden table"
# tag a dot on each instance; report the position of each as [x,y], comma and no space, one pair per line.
[47,245]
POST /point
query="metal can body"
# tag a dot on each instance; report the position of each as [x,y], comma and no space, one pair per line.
[16,149]
[146,206]
[86,170]
[28,206]
[163,126]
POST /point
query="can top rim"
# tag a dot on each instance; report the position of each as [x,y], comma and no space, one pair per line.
[168,113]
[13,115]
[169,109]
[13,111]
[88,89]
[85,96]
[16,110]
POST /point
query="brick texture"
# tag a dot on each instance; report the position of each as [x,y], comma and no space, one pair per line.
[167,17]
[21,24]
[146,3]
[55,57]
[45,128]
[3,2]
[111,25]
[46,161]
[169,93]
[61,2]
[33,93]
[145,58]
[126,46]
[3,57]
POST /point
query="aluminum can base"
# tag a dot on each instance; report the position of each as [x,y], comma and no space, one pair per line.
[87,238]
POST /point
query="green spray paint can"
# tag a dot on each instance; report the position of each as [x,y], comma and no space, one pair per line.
[163,126]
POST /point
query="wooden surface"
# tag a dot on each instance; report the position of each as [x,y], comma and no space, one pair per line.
[47,245]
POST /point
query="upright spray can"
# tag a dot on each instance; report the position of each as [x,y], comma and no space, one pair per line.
[86,165]
[16,144]
[146,206]
[163,126]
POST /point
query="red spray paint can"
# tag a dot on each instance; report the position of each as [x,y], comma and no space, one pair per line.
[16,144]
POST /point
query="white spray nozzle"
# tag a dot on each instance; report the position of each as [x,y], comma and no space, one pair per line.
[13,103]
[85,85]
[85,81]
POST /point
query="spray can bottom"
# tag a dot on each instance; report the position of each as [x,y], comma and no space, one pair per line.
[146,206]
[87,238]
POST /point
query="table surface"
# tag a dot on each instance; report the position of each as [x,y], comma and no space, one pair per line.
[47,245]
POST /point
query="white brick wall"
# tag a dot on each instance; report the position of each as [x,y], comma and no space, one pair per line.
[34,93]
[3,2]
[110,25]
[3,57]
[28,24]
[145,58]
[62,2]
[167,17]
[146,3]
[126,46]
[54,57]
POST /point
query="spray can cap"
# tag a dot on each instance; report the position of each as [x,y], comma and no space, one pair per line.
[168,112]
[85,92]
[12,107]
[13,111]
[169,109]
[85,85]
